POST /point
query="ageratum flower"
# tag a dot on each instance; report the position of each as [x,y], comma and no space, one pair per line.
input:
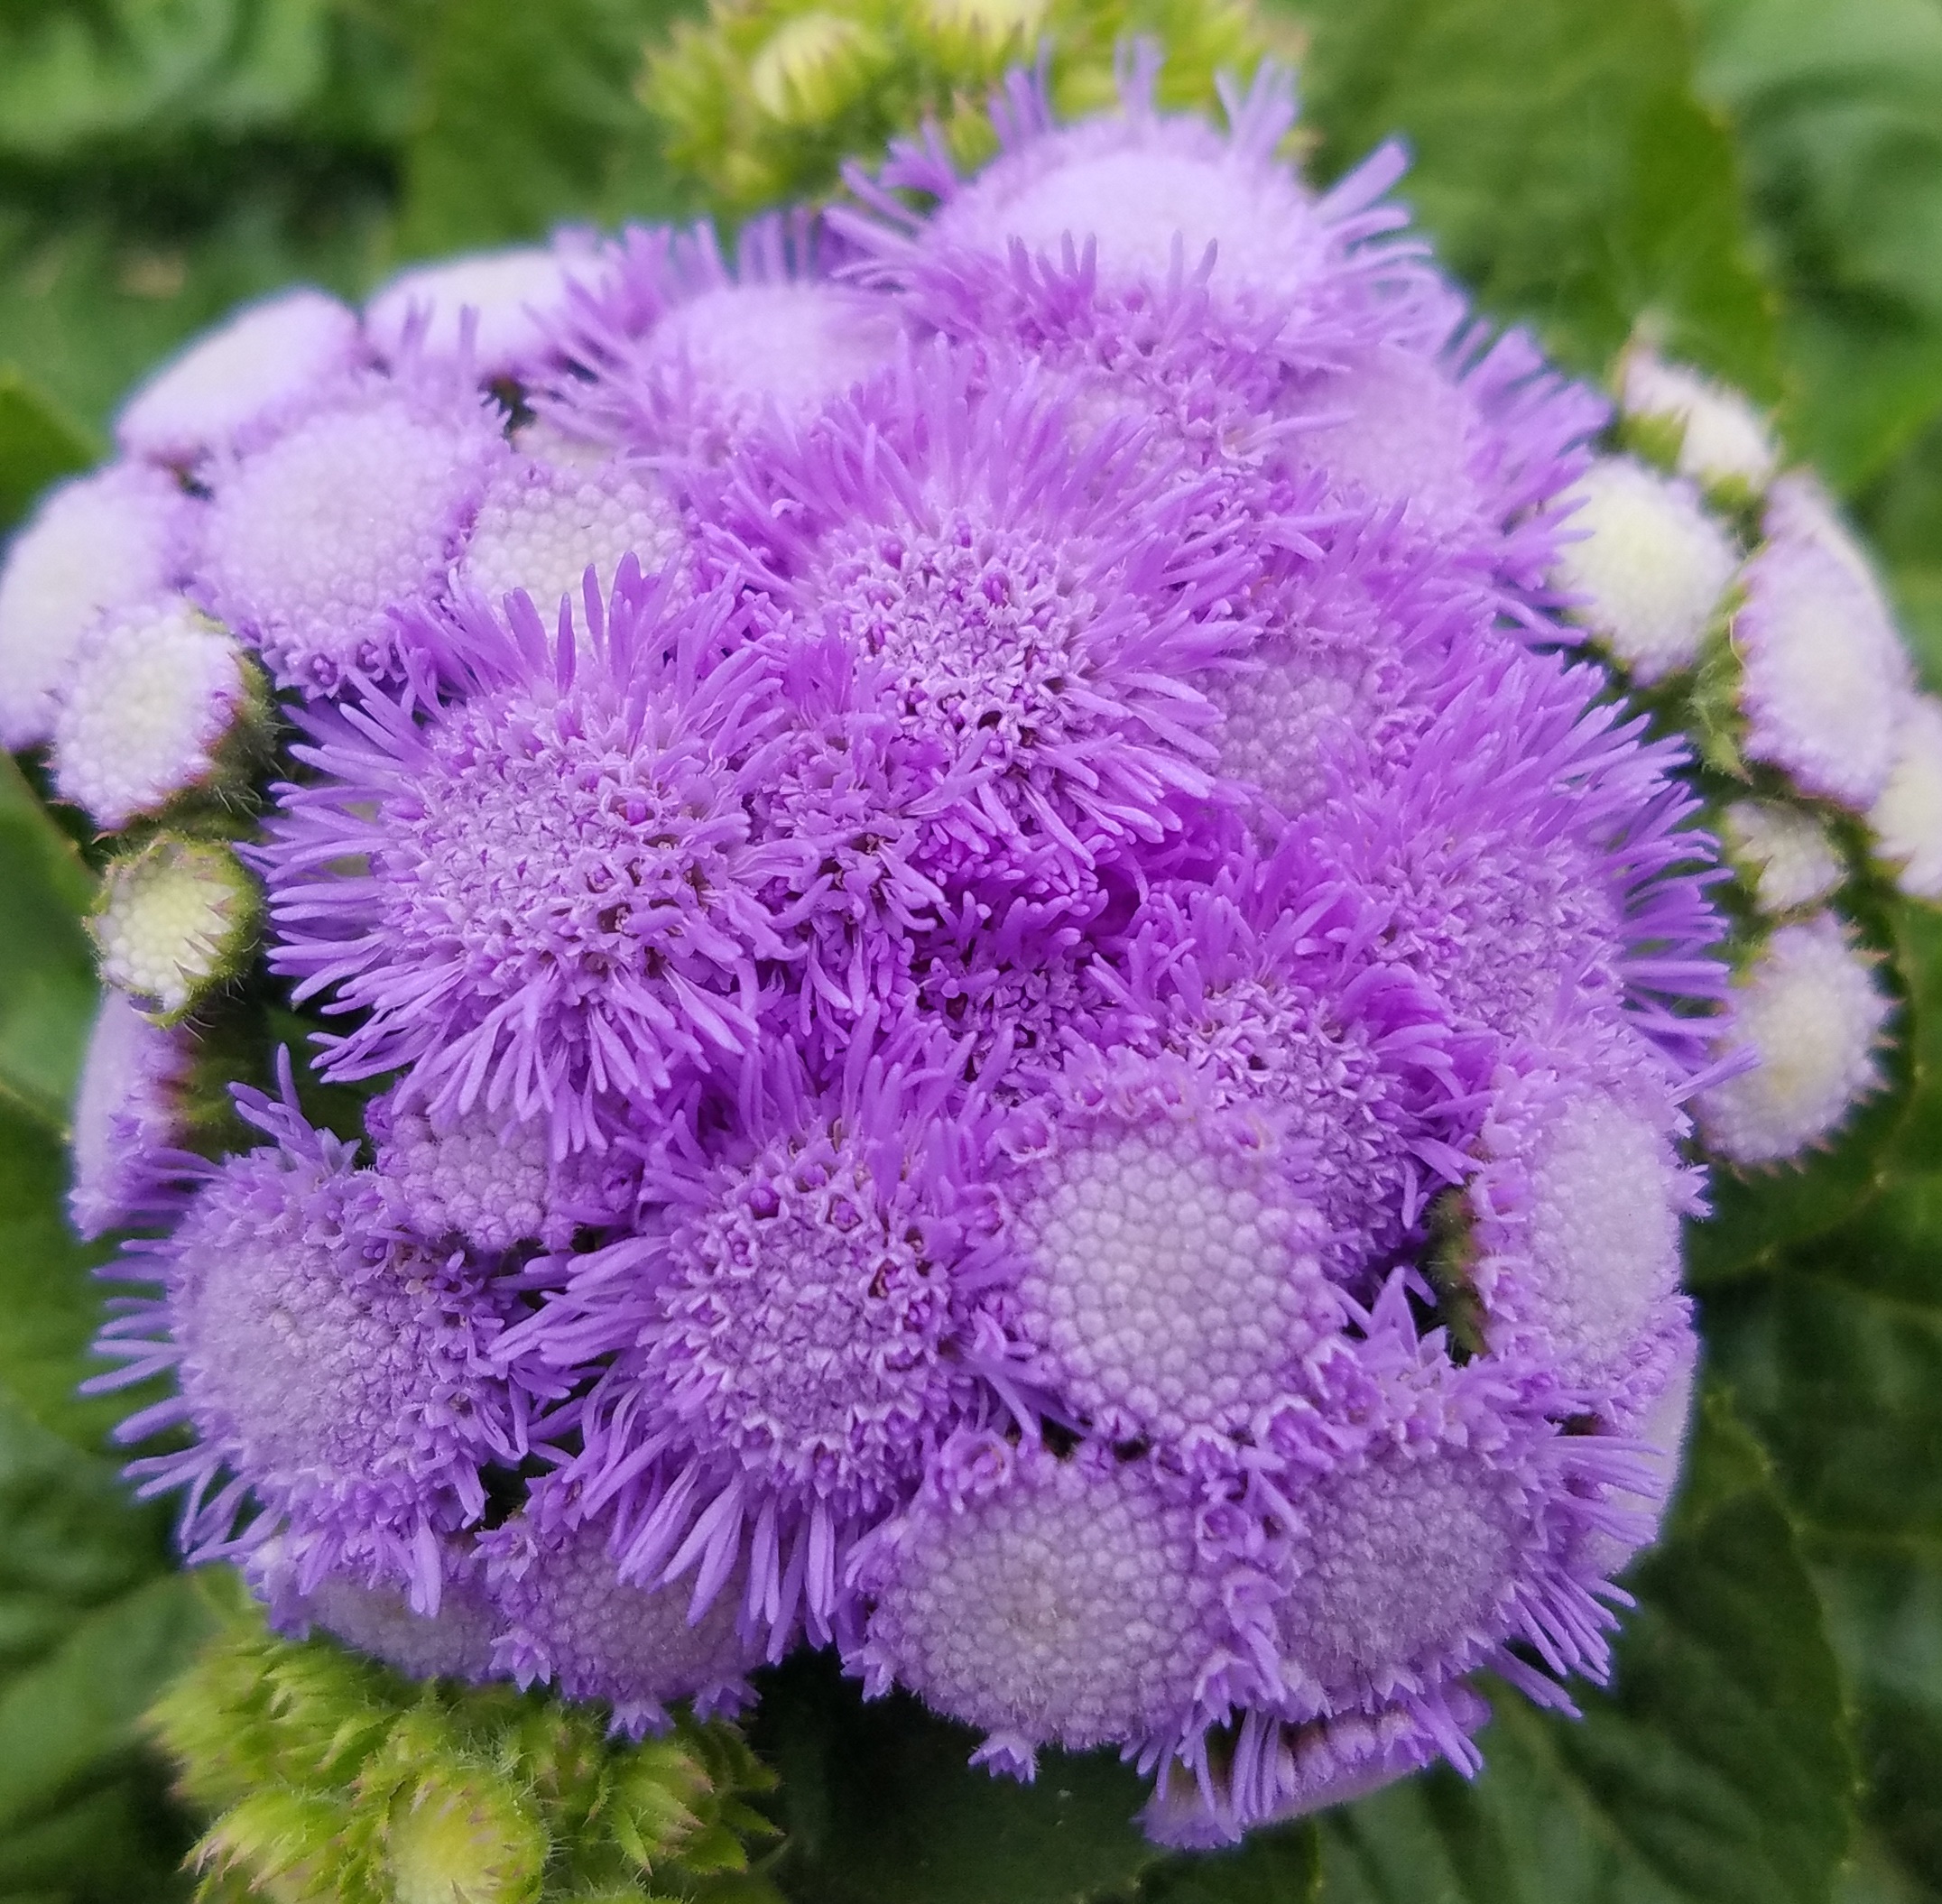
[1021,996]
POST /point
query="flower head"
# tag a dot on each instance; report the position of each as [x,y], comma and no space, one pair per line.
[336,1371]
[558,899]
[802,1323]
[568,1618]
[1027,999]
[350,511]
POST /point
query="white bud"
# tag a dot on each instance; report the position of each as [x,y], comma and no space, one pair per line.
[268,356]
[1824,674]
[174,921]
[1908,817]
[1812,1010]
[153,695]
[1785,851]
[98,544]
[1650,567]
[1724,438]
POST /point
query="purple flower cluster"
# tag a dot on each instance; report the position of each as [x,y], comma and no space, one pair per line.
[1023,1014]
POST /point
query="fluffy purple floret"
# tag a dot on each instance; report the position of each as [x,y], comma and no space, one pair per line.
[1025,609]
[536,883]
[568,1618]
[336,1376]
[1257,979]
[1427,1514]
[674,352]
[1139,201]
[803,1318]
[1534,849]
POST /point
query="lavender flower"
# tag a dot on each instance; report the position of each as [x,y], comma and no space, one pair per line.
[1029,996]
[335,1371]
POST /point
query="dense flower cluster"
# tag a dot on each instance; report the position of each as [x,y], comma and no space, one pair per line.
[1023,1002]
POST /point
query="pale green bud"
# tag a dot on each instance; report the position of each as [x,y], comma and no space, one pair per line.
[174,922]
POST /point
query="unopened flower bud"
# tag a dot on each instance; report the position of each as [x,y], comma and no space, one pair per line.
[162,702]
[814,66]
[174,922]
[1907,818]
[1723,440]
[128,1113]
[1784,850]
[98,544]
[1650,567]
[1825,674]
[243,374]
[1812,1008]
[463,1835]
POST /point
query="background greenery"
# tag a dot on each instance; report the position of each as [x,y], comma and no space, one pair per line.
[1763,179]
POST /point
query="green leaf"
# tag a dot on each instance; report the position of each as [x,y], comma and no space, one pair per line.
[51,1303]
[531,111]
[38,444]
[1845,1387]
[92,1620]
[1885,1611]
[69,82]
[1716,1770]
[91,299]
[1563,164]
[1278,1866]
[881,1806]
[47,967]
[1835,101]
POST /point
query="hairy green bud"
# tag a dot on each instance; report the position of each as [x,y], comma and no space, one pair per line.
[332,1780]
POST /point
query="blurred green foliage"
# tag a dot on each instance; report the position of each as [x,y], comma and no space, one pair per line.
[1759,179]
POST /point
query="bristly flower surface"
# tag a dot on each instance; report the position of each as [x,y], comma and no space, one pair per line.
[1008,985]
